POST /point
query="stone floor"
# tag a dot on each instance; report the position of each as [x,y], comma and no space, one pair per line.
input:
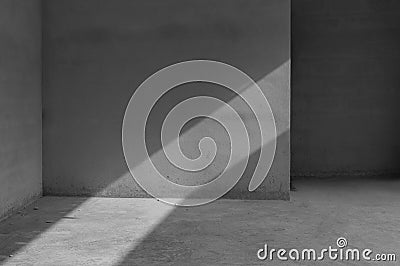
[106,231]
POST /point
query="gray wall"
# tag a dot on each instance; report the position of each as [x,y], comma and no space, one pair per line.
[98,51]
[20,103]
[345,87]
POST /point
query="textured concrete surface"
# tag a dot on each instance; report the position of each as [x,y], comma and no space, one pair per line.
[20,104]
[98,52]
[106,231]
[345,87]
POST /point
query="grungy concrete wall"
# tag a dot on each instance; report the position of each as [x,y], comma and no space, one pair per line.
[20,104]
[98,52]
[345,87]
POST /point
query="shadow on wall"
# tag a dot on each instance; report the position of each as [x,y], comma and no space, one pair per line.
[274,85]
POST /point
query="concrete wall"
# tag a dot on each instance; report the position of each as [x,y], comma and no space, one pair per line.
[97,53]
[20,103]
[345,87]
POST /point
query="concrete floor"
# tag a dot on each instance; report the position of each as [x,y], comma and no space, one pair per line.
[106,231]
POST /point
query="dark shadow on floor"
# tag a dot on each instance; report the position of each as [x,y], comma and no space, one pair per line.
[31,221]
